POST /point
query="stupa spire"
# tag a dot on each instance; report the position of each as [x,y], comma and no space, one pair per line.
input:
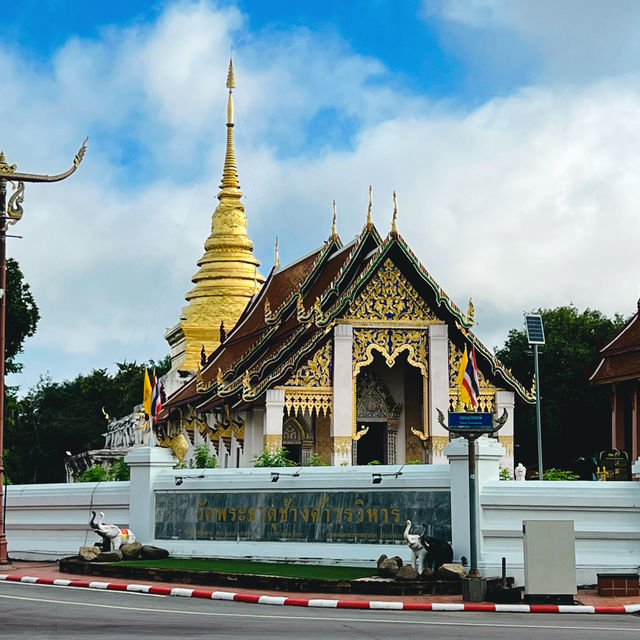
[230,171]
[369,220]
[228,271]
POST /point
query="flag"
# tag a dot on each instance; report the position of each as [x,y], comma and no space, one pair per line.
[146,393]
[468,378]
[156,401]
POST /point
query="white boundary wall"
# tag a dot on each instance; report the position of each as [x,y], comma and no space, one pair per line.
[51,521]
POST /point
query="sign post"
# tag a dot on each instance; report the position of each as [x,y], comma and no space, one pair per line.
[471,426]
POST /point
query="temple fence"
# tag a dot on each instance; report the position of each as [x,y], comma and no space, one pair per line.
[348,515]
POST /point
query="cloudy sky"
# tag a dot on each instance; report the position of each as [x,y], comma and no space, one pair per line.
[510,131]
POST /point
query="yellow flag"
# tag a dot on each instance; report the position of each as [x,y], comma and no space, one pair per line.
[463,393]
[146,393]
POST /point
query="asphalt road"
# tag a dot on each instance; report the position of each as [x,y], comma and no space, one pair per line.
[39,611]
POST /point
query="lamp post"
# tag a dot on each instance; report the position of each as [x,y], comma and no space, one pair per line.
[10,213]
[535,337]
[472,425]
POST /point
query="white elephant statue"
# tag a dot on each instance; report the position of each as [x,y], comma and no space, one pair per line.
[112,535]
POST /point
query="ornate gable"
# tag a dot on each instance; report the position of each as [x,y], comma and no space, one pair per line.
[389,298]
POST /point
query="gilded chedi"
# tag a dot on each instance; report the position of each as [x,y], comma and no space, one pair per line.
[228,271]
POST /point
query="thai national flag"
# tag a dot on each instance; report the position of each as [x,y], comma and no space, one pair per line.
[156,400]
[470,378]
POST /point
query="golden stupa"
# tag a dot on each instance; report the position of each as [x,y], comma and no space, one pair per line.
[228,275]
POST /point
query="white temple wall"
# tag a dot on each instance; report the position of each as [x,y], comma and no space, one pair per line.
[51,521]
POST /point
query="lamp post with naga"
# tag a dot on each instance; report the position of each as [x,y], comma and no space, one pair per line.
[10,213]
[472,425]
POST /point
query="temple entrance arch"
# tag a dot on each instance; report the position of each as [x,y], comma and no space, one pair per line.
[297,438]
[377,418]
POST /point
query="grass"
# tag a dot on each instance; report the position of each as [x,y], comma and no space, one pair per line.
[217,565]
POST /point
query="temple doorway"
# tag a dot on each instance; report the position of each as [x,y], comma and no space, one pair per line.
[377,415]
[372,446]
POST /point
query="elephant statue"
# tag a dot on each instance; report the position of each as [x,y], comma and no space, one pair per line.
[113,536]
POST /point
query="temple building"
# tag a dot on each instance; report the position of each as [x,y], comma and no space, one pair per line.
[344,356]
[620,368]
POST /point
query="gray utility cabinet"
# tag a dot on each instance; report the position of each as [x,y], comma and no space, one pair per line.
[549,559]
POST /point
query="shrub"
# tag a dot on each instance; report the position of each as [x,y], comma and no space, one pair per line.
[95,473]
[273,459]
[202,459]
[118,471]
[505,474]
[314,460]
[557,474]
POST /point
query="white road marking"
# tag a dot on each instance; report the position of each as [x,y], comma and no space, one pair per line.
[395,621]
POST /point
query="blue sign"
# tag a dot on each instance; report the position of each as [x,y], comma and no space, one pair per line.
[464,421]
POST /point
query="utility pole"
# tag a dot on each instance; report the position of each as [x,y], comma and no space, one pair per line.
[10,213]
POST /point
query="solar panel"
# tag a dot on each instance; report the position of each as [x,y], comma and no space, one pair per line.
[533,324]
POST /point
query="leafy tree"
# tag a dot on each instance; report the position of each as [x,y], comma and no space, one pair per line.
[55,417]
[575,415]
[22,315]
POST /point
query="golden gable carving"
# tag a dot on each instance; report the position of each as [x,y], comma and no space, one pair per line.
[390,297]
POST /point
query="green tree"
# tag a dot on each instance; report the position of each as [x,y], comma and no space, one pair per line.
[55,417]
[22,315]
[575,415]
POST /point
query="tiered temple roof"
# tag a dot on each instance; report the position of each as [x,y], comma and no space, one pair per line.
[297,307]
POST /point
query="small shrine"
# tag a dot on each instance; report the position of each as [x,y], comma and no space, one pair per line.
[344,355]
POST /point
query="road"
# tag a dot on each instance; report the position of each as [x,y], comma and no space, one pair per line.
[39,611]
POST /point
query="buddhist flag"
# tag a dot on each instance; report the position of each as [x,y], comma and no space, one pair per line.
[146,393]
[468,378]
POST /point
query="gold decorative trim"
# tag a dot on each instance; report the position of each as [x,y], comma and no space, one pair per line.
[507,443]
[273,442]
[390,343]
[342,444]
[319,399]
[436,444]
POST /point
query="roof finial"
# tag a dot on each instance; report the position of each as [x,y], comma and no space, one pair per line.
[394,226]
[334,232]
[231,80]
[276,258]
[230,171]
[369,220]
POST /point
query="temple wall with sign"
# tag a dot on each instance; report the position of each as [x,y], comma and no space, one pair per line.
[330,514]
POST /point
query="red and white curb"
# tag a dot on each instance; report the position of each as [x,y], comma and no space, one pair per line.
[210,594]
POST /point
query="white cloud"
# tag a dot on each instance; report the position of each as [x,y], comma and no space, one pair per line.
[528,200]
[574,40]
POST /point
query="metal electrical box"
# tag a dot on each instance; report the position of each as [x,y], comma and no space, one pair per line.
[549,560]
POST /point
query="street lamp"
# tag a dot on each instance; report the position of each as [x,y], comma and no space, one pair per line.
[535,336]
[10,213]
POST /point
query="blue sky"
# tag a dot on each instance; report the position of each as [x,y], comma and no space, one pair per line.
[510,131]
